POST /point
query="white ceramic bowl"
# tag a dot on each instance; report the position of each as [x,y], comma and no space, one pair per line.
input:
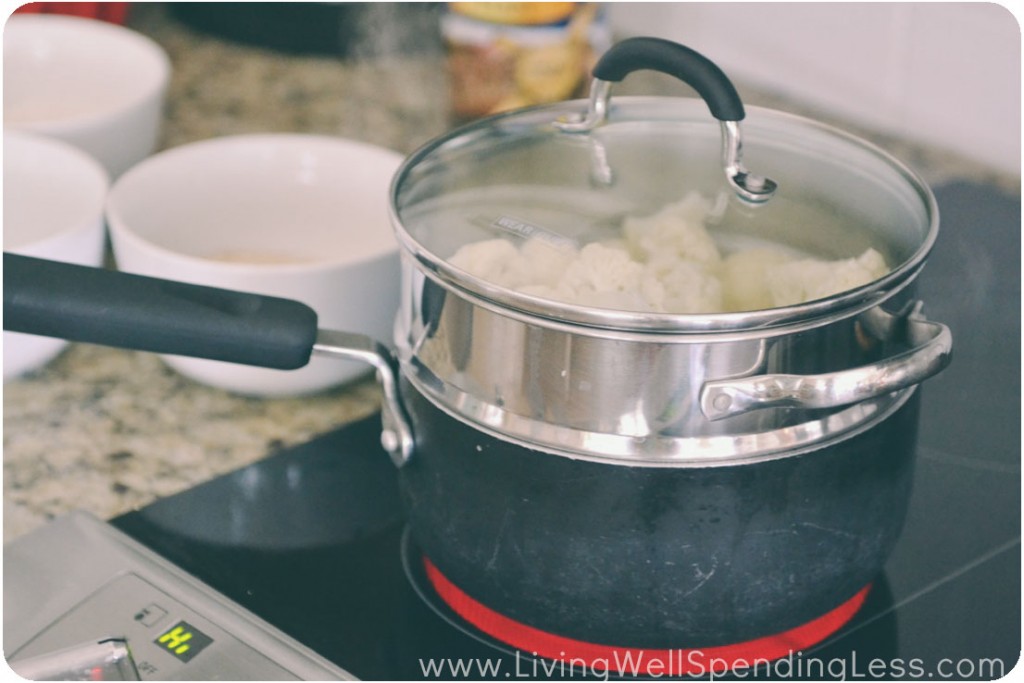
[298,216]
[96,85]
[53,209]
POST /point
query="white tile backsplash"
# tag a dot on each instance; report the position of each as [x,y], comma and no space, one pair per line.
[946,74]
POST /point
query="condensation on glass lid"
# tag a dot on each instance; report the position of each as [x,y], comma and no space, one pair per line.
[663,262]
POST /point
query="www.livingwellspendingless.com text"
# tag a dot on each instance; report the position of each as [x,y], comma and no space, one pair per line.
[696,664]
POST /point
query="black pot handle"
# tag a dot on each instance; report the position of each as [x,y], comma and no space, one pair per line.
[112,308]
[128,311]
[689,66]
[703,75]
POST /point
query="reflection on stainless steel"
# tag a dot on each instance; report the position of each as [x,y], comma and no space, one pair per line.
[104,660]
[601,173]
[933,346]
[748,186]
[396,437]
[597,110]
[592,393]
[659,451]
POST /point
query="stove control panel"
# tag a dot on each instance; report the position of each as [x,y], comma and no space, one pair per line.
[79,580]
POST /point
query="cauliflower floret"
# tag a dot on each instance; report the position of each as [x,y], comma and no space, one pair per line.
[546,261]
[690,288]
[486,259]
[745,278]
[496,261]
[665,263]
[601,269]
[597,275]
[675,233]
[810,279]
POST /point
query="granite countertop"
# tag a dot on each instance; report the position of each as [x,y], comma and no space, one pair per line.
[109,430]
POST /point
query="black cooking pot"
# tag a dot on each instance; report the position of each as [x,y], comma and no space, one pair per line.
[579,476]
[656,557]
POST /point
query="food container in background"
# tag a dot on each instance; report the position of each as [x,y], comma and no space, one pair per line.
[513,54]
[95,85]
[53,209]
[297,216]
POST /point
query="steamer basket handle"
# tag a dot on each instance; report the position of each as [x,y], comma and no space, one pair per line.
[697,71]
[933,345]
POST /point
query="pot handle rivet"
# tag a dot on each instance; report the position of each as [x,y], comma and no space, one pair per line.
[722,402]
[694,69]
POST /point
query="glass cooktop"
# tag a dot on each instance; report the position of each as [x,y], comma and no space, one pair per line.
[311,538]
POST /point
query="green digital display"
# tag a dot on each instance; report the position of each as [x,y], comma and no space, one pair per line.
[183,640]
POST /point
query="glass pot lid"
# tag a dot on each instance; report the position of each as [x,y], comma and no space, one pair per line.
[647,213]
